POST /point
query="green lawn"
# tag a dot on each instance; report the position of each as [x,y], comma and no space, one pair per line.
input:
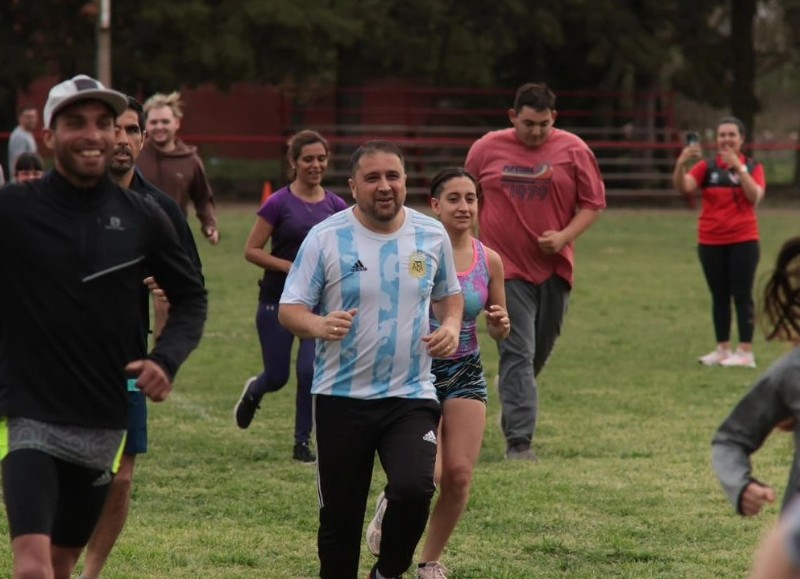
[623,487]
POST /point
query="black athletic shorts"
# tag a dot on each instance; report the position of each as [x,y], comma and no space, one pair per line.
[49,496]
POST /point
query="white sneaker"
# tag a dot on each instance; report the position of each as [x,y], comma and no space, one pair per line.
[740,359]
[432,570]
[716,357]
[374,527]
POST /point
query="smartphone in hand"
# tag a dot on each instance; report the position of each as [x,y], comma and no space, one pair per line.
[692,138]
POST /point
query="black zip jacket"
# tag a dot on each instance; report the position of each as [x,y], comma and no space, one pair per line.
[72,263]
[173,211]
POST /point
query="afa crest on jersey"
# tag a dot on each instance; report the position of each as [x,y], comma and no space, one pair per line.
[416,265]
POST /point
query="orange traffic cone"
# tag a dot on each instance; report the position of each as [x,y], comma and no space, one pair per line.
[266,191]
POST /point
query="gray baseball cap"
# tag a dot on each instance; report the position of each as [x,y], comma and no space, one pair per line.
[81,88]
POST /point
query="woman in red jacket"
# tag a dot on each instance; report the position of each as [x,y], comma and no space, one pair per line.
[731,186]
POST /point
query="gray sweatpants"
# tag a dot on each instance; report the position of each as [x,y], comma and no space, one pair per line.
[537,313]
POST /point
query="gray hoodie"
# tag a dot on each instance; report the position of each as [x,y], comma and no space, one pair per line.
[774,398]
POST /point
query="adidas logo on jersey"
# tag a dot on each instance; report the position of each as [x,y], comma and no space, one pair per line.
[430,436]
[102,480]
[358,266]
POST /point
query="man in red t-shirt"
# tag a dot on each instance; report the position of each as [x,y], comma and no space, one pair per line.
[542,188]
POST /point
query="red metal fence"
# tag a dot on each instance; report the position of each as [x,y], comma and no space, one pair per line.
[633,134]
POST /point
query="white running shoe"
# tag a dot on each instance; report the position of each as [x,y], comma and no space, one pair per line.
[716,357]
[374,527]
[739,359]
[432,570]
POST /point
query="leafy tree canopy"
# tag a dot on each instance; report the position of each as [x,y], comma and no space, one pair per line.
[597,44]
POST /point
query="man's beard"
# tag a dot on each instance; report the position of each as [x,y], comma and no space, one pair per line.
[119,169]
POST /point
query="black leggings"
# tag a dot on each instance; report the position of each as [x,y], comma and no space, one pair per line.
[730,271]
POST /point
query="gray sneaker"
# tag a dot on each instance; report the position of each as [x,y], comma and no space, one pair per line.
[520,451]
[374,528]
[432,570]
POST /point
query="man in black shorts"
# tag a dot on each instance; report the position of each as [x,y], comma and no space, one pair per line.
[74,249]
[128,144]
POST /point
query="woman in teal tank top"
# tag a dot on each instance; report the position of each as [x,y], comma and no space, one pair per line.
[460,382]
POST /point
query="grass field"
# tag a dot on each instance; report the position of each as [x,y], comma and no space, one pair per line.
[623,488]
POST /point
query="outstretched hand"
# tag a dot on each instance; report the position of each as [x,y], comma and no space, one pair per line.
[212,234]
[499,324]
[441,342]
[152,380]
[336,325]
[731,158]
[551,242]
[690,153]
[754,497]
[155,289]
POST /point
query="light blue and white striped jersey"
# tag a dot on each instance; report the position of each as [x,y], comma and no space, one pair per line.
[390,279]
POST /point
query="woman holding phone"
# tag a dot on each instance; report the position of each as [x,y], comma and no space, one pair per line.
[731,186]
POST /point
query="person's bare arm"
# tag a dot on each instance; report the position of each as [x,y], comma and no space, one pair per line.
[304,323]
[752,190]
[754,497]
[449,311]
[681,180]
[772,560]
[551,241]
[255,244]
[498,323]
[151,379]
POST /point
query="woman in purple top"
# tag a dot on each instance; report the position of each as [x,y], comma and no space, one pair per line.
[286,218]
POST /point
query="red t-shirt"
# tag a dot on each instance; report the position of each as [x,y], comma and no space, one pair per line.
[727,216]
[528,191]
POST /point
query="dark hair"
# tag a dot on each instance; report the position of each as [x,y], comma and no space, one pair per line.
[298,141]
[28,162]
[536,96]
[442,177]
[733,121]
[137,107]
[782,294]
[371,147]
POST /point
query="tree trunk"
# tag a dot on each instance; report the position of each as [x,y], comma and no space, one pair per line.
[744,103]
[8,118]
[792,21]
[349,78]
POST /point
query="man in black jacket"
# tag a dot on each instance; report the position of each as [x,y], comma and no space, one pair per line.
[74,249]
[128,144]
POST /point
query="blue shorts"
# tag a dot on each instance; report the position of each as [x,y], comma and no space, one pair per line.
[136,439]
[460,378]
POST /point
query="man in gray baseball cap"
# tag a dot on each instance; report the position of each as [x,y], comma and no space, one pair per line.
[87,111]
[74,249]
